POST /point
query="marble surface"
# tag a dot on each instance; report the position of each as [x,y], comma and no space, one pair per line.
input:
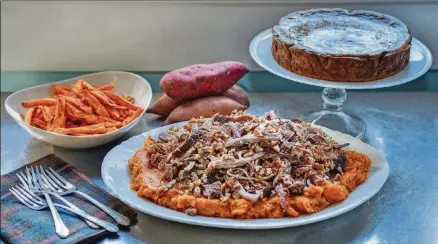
[401,125]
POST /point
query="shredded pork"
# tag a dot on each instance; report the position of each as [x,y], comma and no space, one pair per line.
[242,156]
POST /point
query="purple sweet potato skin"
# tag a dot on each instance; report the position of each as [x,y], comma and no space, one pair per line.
[237,94]
[163,106]
[201,80]
[205,107]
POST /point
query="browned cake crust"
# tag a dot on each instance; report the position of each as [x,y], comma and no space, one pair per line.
[341,67]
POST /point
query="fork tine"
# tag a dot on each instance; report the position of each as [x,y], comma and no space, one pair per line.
[38,198]
[53,178]
[25,177]
[22,198]
[19,198]
[52,185]
[41,181]
[22,180]
[27,195]
[35,178]
[46,183]
[59,177]
[29,178]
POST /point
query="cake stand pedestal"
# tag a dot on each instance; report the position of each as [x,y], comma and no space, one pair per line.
[333,116]
[334,95]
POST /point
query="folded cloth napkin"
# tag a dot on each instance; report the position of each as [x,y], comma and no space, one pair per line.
[20,224]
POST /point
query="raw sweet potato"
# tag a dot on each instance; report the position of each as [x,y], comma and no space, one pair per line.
[164,105]
[237,94]
[201,80]
[205,107]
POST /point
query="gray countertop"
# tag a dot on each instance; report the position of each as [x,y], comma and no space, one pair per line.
[401,125]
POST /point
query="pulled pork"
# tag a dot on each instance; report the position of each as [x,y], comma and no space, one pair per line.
[242,156]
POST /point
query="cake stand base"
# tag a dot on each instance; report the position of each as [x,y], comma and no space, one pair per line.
[340,121]
[332,115]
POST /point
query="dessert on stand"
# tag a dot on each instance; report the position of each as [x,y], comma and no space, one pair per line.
[339,50]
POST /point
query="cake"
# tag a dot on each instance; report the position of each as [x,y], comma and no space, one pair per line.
[337,45]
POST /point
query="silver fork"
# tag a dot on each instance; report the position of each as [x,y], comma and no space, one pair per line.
[63,187]
[36,184]
[26,181]
[33,201]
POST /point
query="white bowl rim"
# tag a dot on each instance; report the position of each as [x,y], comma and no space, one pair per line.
[8,108]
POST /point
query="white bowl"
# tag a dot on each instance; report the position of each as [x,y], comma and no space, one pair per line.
[128,84]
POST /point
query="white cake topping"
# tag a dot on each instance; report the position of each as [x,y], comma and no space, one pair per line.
[336,31]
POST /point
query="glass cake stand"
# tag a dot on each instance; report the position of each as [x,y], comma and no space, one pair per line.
[332,115]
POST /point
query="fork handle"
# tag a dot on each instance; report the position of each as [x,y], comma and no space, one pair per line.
[121,219]
[60,228]
[89,223]
[106,225]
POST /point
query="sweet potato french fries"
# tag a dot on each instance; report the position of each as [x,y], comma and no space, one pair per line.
[78,104]
[83,130]
[38,102]
[62,90]
[81,109]
[118,99]
[132,117]
[109,87]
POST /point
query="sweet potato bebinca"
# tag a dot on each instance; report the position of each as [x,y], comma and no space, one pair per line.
[205,107]
[202,80]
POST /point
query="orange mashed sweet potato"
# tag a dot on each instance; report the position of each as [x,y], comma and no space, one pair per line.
[313,199]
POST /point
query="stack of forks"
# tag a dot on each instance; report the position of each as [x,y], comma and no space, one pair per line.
[37,182]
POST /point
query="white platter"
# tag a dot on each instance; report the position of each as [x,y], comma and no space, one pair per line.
[126,83]
[115,174]
[419,62]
